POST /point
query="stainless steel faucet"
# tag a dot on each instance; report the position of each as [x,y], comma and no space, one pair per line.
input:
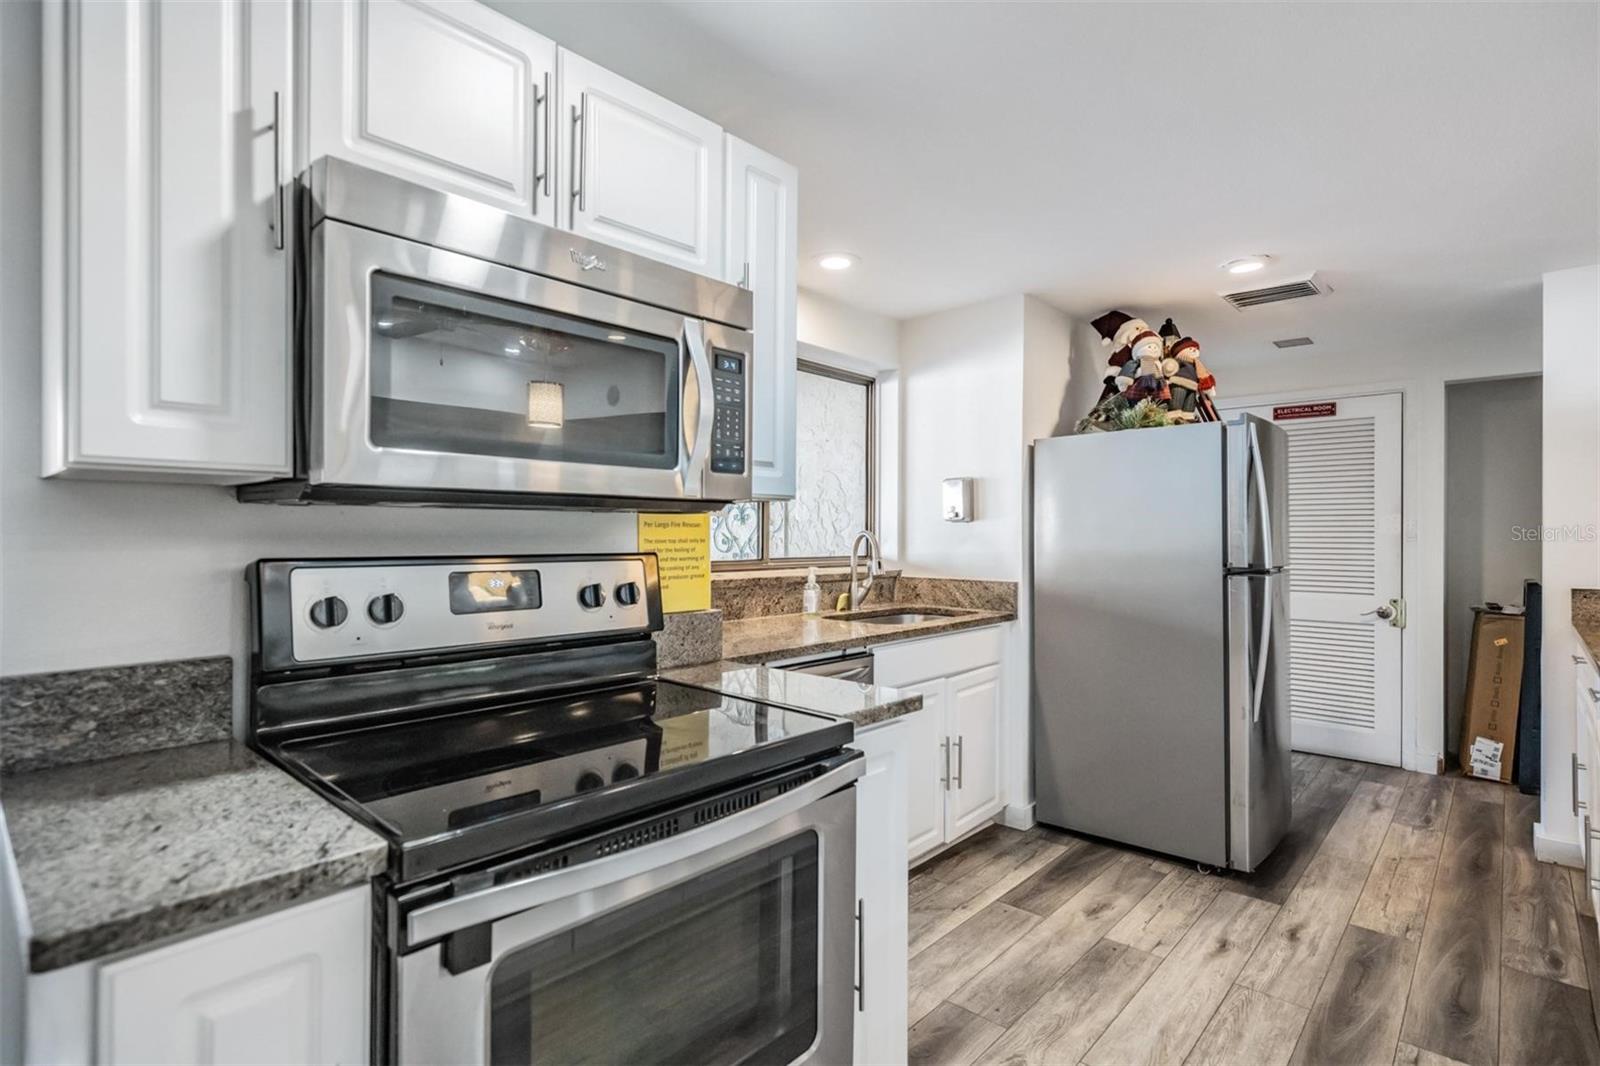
[874,566]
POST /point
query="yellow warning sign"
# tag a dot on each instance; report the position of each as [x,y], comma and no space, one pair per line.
[682,543]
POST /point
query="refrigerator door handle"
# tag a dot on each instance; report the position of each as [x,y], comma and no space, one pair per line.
[1263,501]
[1263,645]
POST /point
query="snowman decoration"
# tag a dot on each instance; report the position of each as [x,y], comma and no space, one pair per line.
[1163,368]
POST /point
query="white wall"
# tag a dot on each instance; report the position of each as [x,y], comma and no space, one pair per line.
[824,323]
[1571,503]
[961,396]
[1492,481]
[978,385]
[95,573]
[1420,374]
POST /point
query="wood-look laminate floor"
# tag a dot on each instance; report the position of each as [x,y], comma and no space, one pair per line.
[1403,920]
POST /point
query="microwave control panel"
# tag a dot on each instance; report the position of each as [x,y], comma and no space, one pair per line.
[727,429]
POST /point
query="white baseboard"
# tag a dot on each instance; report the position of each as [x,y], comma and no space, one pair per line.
[1556,849]
[1017,816]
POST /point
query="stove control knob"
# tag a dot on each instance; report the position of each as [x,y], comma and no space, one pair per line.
[385,609]
[588,781]
[625,771]
[593,597]
[329,613]
[627,594]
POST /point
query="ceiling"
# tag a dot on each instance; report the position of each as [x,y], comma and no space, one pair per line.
[1429,160]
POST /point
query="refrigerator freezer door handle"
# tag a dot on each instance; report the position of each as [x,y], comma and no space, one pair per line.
[1263,645]
[1264,502]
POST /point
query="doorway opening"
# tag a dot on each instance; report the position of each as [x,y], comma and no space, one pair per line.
[1493,497]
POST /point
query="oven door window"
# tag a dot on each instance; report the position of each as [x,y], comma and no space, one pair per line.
[720,969]
[455,372]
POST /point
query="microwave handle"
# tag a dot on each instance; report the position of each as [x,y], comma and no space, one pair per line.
[697,443]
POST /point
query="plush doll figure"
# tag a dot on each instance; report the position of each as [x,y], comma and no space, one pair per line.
[1149,382]
[1208,392]
[1184,381]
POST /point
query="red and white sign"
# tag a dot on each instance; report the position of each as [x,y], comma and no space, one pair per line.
[1290,411]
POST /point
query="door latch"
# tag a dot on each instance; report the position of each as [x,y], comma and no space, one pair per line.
[1393,612]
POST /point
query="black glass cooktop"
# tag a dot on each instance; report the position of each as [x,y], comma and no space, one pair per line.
[455,788]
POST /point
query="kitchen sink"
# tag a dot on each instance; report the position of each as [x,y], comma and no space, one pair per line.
[903,619]
[898,618]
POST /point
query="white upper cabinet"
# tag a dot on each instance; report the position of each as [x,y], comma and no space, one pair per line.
[166,319]
[642,173]
[445,93]
[762,231]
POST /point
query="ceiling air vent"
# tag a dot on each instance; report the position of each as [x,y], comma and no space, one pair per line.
[1293,342]
[1290,289]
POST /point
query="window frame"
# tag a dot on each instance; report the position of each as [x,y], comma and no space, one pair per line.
[766,562]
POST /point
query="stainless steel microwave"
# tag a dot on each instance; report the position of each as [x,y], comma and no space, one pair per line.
[451,353]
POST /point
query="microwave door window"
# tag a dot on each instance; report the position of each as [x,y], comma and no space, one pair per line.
[453,372]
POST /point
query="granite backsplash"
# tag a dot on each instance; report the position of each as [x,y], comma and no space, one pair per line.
[74,716]
[741,596]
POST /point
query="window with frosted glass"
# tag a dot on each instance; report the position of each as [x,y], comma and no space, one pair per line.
[833,427]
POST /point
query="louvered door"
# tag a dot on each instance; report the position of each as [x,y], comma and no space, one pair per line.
[1344,562]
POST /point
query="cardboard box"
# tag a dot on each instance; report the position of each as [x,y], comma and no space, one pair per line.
[1494,689]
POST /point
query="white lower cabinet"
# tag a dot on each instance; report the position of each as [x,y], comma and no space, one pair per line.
[880,1035]
[1586,768]
[955,757]
[290,987]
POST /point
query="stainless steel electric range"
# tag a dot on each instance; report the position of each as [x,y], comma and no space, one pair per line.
[586,863]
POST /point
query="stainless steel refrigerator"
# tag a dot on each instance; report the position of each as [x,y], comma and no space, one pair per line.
[1161,637]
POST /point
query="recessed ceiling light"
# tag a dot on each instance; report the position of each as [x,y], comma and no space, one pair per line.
[836,261]
[1248,264]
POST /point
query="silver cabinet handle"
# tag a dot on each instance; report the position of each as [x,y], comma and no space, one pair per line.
[945,780]
[1576,802]
[1588,837]
[861,955]
[541,174]
[277,171]
[961,761]
[580,168]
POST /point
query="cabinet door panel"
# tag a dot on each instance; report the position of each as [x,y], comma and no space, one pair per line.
[925,770]
[762,220]
[290,987]
[974,725]
[881,885]
[450,95]
[644,173]
[168,350]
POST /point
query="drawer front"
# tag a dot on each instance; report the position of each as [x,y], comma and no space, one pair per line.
[914,661]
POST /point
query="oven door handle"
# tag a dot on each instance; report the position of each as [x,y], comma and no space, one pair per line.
[697,444]
[501,901]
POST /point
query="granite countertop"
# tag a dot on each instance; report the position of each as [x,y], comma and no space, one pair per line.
[1586,620]
[784,636]
[865,705]
[123,852]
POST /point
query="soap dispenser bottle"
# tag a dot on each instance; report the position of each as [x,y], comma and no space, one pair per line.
[812,594]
